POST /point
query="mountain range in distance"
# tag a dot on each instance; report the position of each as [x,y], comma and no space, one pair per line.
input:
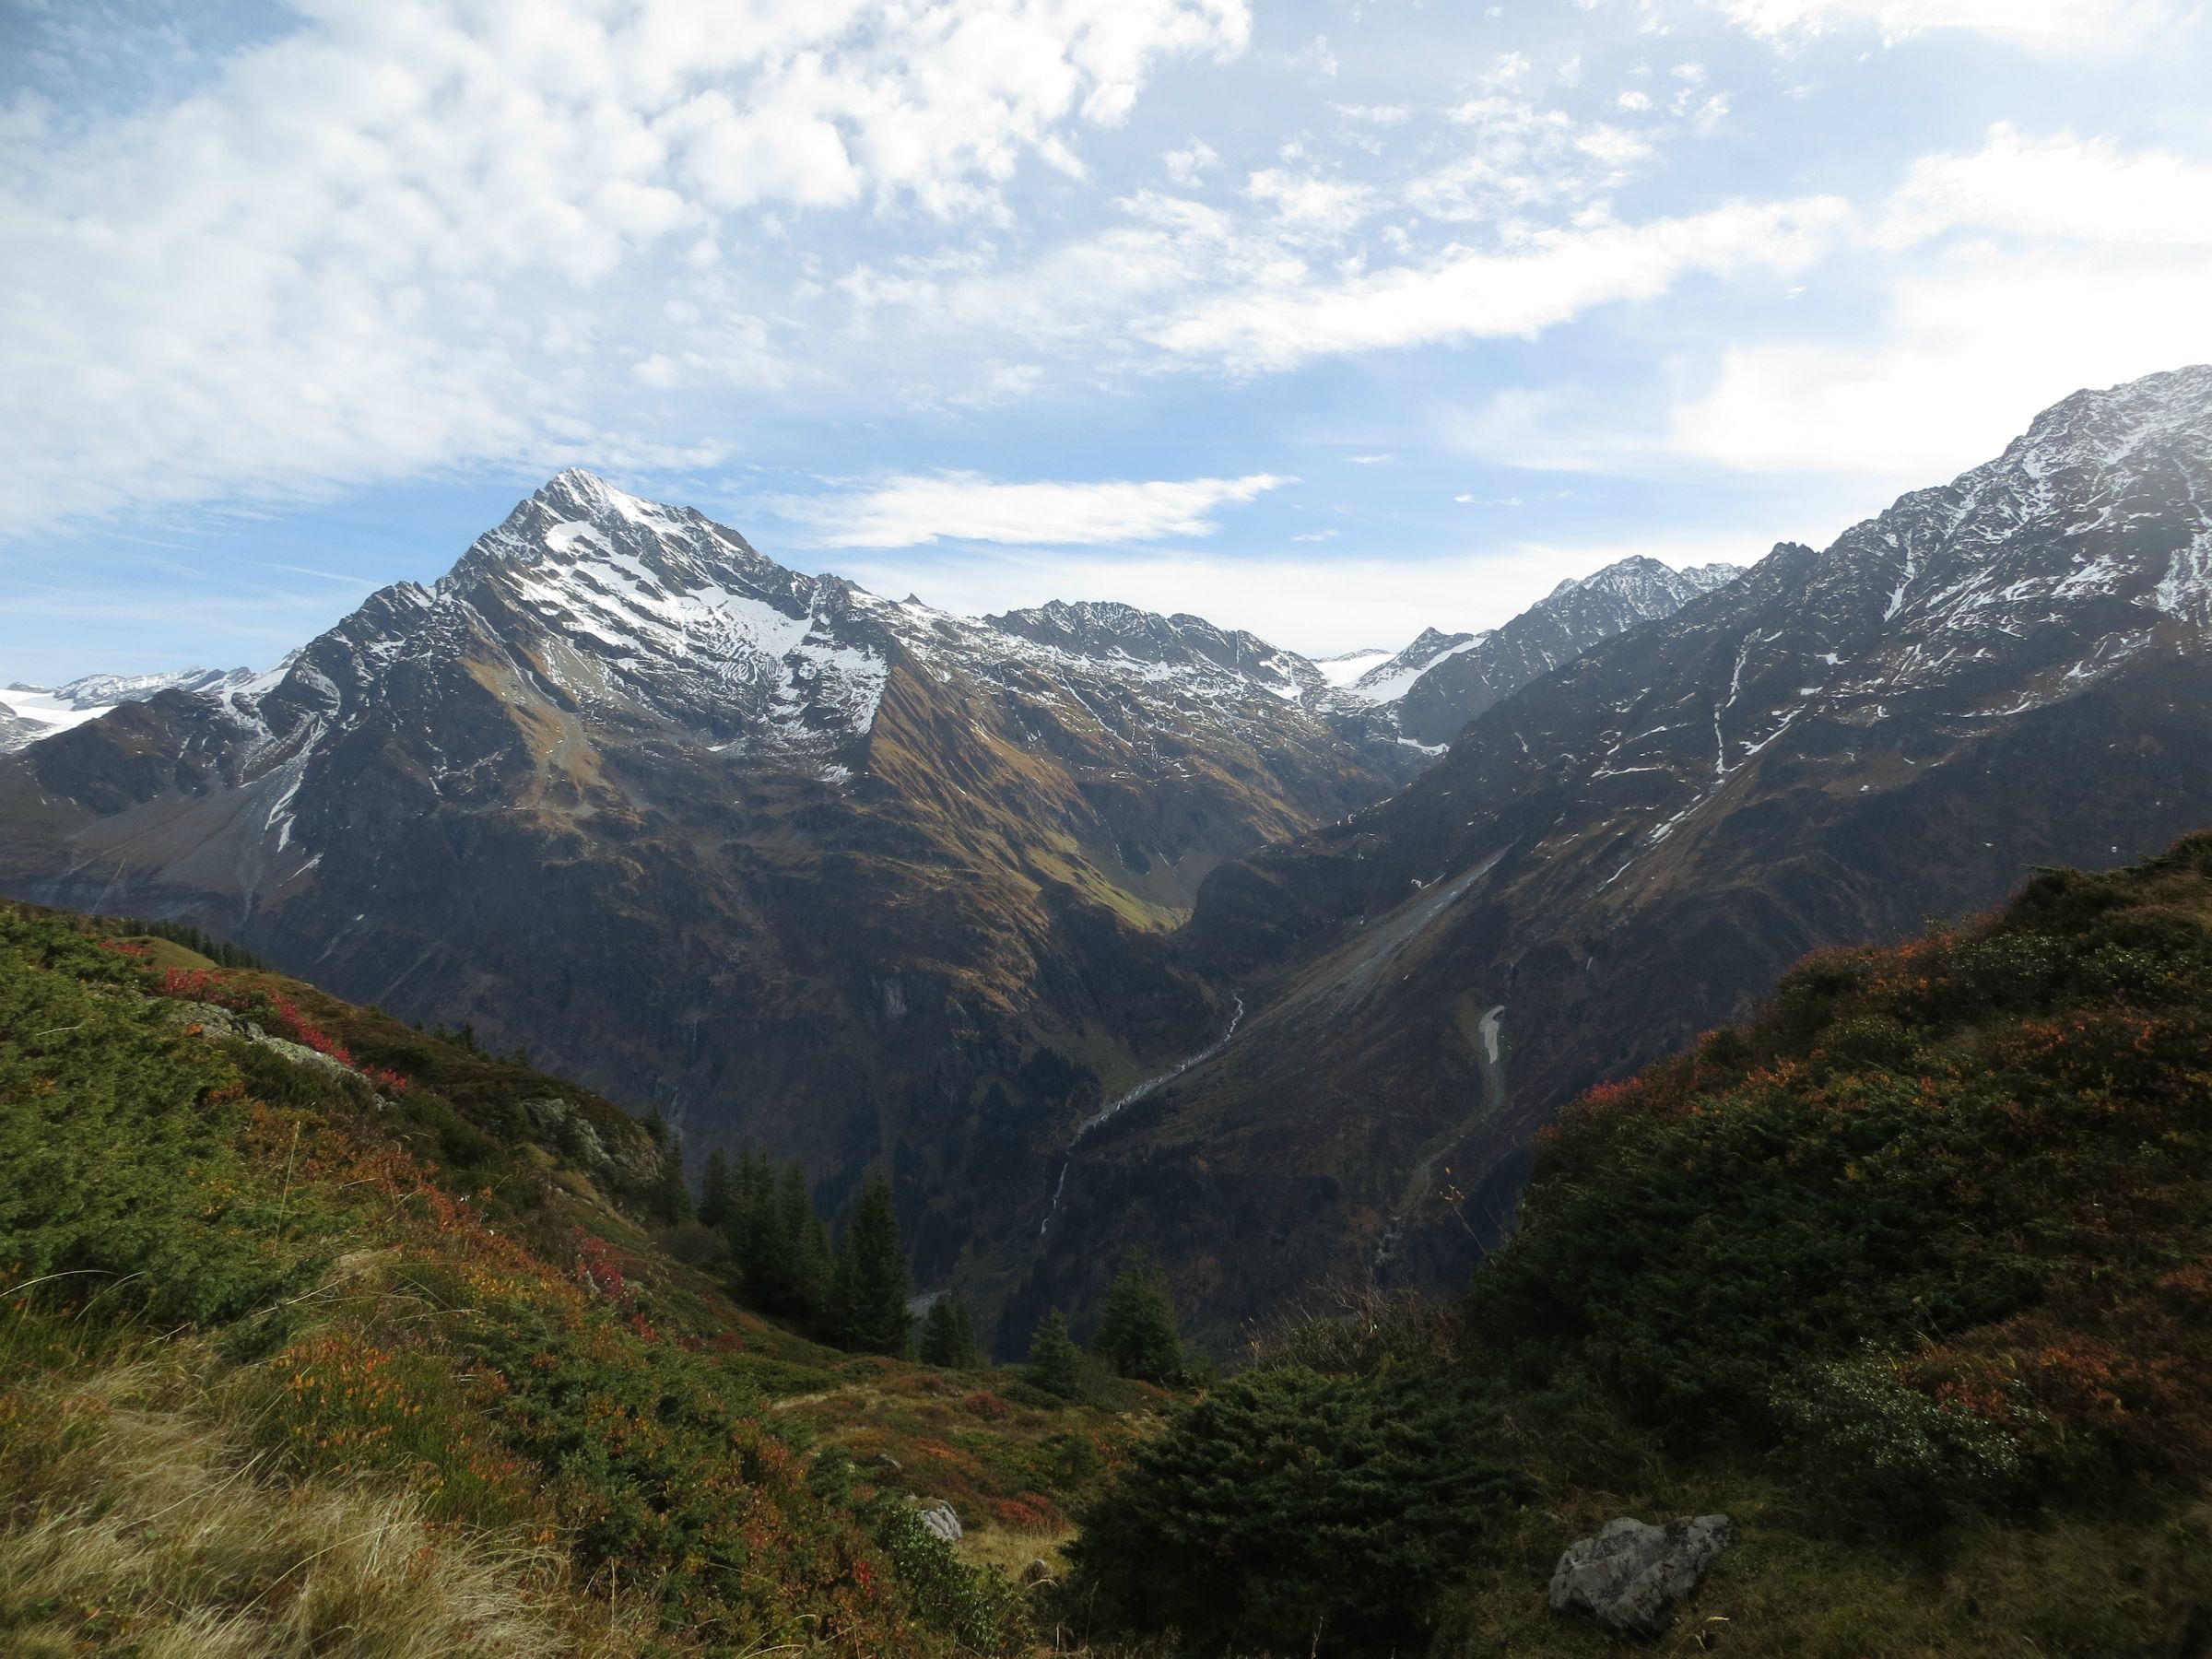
[1096,926]
[856,880]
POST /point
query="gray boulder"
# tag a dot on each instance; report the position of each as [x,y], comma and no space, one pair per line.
[938,1517]
[1630,1576]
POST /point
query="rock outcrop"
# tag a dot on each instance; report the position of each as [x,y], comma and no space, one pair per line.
[1631,1575]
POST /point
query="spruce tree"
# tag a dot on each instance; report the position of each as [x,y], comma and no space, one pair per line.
[868,1291]
[1137,1330]
[804,1248]
[670,1197]
[1055,1362]
[717,1190]
[948,1335]
[752,1231]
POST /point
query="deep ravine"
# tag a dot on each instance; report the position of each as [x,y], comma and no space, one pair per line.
[1141,1091]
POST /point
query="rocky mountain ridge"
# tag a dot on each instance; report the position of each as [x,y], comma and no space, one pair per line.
[30,713]
[2010,670]
[858,880]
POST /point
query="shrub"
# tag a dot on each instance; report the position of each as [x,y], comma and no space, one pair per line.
[1888,1456]
[1292,1512]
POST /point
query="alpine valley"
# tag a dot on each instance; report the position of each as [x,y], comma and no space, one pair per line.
[796,867]
[1098,927]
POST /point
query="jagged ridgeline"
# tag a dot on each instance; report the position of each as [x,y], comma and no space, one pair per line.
[322,1333]
[848,880]
[1911,1277]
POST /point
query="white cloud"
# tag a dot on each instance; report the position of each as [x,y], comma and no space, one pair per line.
[2082,189]
[1302,202]
[1895,19]
[1388,115]
[2104,279]
[1188,166]
[908,511]
[1282,320]
[1970,350]
[371,246]
[1518,154]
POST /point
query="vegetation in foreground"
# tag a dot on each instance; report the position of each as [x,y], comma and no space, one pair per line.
[380,1345]
[1913,1277]
[320,1335]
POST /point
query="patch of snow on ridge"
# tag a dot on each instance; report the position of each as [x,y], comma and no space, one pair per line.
[1342,671]
[1394,678]
[2186,587]
[45,709]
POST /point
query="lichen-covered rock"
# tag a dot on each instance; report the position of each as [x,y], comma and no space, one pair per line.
[1631,1575]
[938,1518]
[214,1021]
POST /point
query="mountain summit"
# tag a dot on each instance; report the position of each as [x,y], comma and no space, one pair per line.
[2009,670]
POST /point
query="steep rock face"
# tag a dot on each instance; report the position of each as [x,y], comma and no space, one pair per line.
[2009,670]
[1428,692]
[16,731]
[857,880]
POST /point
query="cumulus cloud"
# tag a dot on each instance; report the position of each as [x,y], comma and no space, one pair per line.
[370,246]
[2097,274]
[2086,190]
[1949,378]
[907,510]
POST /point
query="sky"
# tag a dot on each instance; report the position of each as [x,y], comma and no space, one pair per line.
[1331,319]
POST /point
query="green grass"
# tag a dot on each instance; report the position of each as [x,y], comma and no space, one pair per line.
[293,1361]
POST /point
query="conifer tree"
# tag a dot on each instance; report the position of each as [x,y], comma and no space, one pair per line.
[868,1291]
[671,1195]
[1055,1362]
[1137,1330]
[948,1335]
[717,1190]
[805,1246]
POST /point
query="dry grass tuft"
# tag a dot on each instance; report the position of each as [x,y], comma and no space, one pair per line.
[132,1516]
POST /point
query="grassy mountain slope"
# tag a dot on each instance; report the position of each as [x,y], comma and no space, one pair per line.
[322,1334]
[1912,1276]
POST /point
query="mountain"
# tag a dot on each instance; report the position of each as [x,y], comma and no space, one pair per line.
[16,731]
[35,712]
[2006,671]
[1428,692]
[858,881]
[1913,1268]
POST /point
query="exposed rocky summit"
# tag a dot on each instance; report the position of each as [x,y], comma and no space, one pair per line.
[1426,693]
[857,880]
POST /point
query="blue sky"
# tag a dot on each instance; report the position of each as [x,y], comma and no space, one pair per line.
[1332,320]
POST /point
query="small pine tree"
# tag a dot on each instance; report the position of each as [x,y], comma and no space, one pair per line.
[868,1291]
[806,1247]
[1137,1330]
[948,1335]
[671,1196]
[717,1190]
[1055,1362]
